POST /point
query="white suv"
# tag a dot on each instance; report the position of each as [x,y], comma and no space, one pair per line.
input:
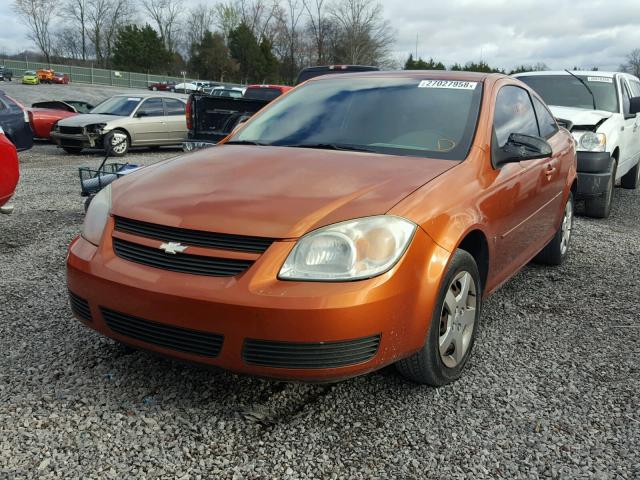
[599,108]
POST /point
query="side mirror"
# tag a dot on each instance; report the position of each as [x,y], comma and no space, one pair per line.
[521,147]
[634,105]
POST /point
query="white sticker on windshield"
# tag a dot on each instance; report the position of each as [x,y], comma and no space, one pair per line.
[454,84]
[133,99]
[600,79]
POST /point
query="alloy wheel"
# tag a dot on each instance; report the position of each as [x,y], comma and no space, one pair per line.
[119,143]
[567,227]
[457,319]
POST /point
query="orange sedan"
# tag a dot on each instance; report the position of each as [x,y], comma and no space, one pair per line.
[356,222]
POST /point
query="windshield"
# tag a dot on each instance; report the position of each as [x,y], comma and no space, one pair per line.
[121,106]
[399,116]
[29,72]
[568,91]
[262,93]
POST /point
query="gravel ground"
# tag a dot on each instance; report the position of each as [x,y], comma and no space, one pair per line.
[552,391]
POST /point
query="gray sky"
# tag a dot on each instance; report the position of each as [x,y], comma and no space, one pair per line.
[560,33]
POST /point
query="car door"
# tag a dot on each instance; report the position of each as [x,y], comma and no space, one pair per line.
[175,120]
[522,224]
[631,124]
[148,125]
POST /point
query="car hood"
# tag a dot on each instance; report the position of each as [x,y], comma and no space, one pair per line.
[275,192]
[580,116]
[85,119]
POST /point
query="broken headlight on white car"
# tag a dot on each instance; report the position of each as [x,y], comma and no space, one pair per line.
[590,141]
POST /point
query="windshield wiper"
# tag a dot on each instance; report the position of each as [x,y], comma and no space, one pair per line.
[245,142]
[331,146]
[593,97]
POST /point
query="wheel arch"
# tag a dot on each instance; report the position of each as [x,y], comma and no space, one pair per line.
[476,244]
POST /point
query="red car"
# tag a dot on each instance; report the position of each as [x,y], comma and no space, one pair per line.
[265,92]
[60,78]
[9,172]
[162,86]
[44,115]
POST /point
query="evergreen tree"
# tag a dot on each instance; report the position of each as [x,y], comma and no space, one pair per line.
[210,58]
[140,49]
[245,50]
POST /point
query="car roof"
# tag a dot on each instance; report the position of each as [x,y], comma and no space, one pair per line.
[149,95]
[419,74]
[593,73]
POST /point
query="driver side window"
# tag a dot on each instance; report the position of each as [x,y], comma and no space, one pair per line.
[513,114]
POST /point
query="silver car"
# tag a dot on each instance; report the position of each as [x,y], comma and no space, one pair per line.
[123,121]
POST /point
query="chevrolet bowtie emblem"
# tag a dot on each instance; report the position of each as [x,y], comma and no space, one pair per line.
[172,248]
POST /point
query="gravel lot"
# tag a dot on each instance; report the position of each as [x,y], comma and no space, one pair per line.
[552,391]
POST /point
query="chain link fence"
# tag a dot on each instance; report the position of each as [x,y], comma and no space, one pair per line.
[97,76]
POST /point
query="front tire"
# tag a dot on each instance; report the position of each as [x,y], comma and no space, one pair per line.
[557,249]
[600,207]
[453,329]
[631,179]
[116,143]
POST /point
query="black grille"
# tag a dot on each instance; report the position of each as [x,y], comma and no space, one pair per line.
[180,262]
[310,355]
[167,336]
[80,307]
[71,130]
[197,238]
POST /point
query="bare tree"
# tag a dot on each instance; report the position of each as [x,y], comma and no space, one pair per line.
[104,19]
[633,63]
[258,16]
[38,15]
[67,44]
[76,11]
[318,26]
[200,19]
[166,15]
[289,34]
[366,36]
[227,18]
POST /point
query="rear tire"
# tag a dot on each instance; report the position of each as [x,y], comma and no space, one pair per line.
[453,329]
[631,179]
[557,249]
[600,207]
[73,150]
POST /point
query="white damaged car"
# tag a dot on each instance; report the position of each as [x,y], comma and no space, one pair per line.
[600,109]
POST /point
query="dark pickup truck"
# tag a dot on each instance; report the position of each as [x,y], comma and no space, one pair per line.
[5,74]
[210,119]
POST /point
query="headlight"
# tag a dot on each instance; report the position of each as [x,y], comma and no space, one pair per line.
[350,250]
[590,141]
[96,128]
[97,216]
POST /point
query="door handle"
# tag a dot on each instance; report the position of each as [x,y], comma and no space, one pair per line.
[550,171]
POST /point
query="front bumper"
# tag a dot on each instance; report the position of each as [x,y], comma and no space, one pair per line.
[253,310]
[76,140]
[29,82]
[594,171]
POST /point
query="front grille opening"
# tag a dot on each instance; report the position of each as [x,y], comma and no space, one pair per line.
[196,238]
[168,336]
[268,353]
[181,262]
[80,307]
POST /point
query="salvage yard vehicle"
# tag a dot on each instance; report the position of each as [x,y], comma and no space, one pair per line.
[600,109]
[210,118]
[9,172]
[265,92]
[327,239]
[6,74]
[313,72]
[60,78]
[30,78]
[162,86]
[14,120]
[45,75]
[44,115]
[125,121]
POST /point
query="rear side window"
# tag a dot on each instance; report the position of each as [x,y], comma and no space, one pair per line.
[262,93]
[513,114]
[546,122]
[174,107]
